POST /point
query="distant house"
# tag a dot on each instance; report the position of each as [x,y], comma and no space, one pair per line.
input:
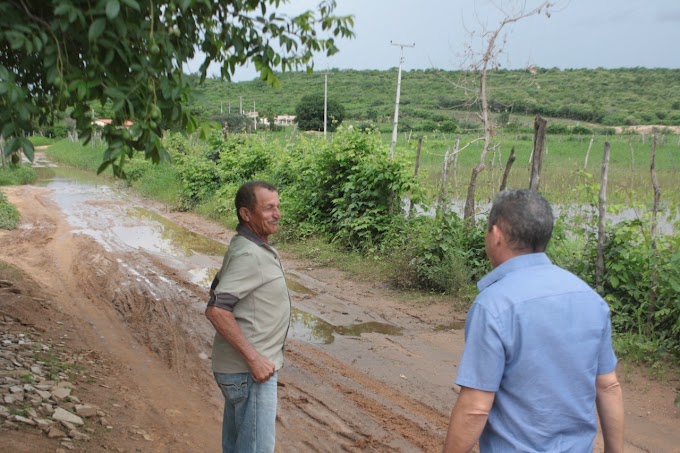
[284,120]
[106,121]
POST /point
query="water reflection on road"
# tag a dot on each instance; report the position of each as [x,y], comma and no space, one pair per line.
[95,208]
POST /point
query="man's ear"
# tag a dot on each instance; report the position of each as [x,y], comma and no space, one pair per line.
[244,213]
[496,234]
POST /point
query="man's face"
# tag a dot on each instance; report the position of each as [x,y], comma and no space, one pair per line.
[264,217]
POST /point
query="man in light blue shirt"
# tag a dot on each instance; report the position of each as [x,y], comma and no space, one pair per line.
[538,356]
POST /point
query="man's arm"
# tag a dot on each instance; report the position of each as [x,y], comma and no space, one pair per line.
[468,419]
[609,402]
[225,324]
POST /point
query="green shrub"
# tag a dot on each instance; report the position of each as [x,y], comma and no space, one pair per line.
[136,168]
[198,178]
[242,156]
[9,216]
[557,128]
[16,175]
[439,254]
[581,130]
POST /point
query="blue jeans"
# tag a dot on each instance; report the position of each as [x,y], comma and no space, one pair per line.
[249,422]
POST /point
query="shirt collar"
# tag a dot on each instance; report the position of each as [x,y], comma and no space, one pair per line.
[511,265]
[247,233]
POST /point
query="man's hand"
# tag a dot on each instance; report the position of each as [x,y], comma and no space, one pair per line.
[261,368]
[224,322]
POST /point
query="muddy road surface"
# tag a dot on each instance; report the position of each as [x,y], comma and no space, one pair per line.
[125,280]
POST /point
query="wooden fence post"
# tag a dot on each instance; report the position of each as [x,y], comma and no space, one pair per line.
[599,265]
[537,156]
[508,166]
[415,173]
[655,209]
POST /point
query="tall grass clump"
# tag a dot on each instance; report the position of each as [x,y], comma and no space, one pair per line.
[16,175]
[9,215]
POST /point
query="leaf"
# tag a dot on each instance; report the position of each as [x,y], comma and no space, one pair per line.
[112,9]
[132,4]
[614,281]
[27,147]
[96,29]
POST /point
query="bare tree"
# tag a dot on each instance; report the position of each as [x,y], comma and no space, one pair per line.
[487,62]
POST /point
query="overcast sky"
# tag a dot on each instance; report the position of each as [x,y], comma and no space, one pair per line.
[578,34]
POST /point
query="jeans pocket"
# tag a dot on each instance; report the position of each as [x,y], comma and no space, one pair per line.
[234,387]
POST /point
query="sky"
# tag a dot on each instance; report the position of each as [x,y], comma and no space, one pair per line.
[578,34]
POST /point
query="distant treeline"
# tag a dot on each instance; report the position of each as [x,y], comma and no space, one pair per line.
[442,100]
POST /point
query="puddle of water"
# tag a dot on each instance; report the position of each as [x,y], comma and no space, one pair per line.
[185,240]
[310,328]
[455,325]
[93,207]
[297,287]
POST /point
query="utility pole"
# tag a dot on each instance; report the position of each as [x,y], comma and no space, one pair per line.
[254,117]
[396,104]
[240,105]
[325,103]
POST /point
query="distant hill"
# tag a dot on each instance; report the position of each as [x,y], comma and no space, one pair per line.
[440,99]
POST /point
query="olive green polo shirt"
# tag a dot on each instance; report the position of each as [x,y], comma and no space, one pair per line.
[252,285]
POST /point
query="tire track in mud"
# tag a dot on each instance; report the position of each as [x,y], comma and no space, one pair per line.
[400,421]
[148,302]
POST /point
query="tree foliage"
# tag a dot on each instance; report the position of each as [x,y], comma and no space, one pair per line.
[61,55]
[309,113]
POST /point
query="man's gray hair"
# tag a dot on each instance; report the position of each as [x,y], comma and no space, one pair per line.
[525,217]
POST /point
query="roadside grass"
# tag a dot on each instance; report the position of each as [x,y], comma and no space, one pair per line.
[641,350]
[9,215]
[39,140]
[160,182]
[16,175]
[74,154]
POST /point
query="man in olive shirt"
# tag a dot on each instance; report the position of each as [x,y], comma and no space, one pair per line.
[250,309]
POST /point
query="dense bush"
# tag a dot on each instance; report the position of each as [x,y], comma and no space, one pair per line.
[439,254]
[15,175]
[348,188]
[198,177]
[634,271]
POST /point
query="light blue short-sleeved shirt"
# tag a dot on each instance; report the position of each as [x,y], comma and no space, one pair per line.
[537,336]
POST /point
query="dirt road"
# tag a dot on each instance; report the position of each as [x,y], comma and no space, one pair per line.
[367,369]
